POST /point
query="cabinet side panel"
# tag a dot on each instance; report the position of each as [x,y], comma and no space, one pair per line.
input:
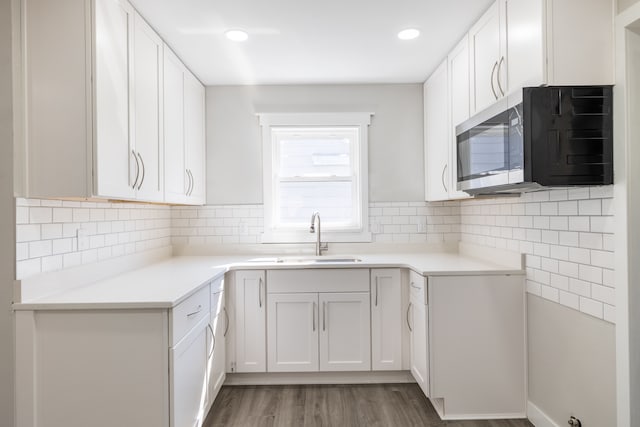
[90,364]
[581,42]
[58,97]
[477,347]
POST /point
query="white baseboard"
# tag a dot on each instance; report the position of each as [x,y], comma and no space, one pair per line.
[283,378]
[539,418]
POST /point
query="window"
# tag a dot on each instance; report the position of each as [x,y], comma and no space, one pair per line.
[315,162]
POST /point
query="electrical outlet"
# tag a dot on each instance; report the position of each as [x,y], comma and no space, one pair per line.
[243,228]
[83,239]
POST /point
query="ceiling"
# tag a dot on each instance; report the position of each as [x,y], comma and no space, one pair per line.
[311,42]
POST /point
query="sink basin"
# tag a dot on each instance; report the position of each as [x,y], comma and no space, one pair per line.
[309,260]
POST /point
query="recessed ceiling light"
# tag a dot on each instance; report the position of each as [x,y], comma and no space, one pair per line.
[236,35]
[408,34]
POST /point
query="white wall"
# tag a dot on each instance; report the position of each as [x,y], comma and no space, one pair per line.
[7,221]
[234,152]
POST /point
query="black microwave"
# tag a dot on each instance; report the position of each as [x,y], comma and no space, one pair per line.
[538,137]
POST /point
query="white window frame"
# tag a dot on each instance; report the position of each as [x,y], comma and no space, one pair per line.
[268,121]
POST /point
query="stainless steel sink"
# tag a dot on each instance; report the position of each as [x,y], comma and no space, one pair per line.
[318,260]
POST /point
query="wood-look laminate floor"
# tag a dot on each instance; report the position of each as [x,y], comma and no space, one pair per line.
[379,405]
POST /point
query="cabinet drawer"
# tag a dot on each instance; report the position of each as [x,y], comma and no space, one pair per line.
[217,296]
[188,313]
[418,288]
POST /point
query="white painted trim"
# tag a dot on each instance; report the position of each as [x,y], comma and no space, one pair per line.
[35,287]
[439,405]
[539,418]
[285,378]
[626,391]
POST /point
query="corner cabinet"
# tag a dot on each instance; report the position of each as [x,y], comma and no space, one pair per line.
[96,106]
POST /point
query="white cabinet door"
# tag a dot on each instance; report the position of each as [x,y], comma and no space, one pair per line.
[419,345]
[386,320]
[147,107]
[114,161]
[175,175]
[459,107]
[487,39]
[216,364]
[292,330]
[345,335]
[250,321]
[526,51]
[188,371]
[194,138]
[436,133]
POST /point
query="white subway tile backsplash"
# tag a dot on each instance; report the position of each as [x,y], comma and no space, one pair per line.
[569,242]
[49,241]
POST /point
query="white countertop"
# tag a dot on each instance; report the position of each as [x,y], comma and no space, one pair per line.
[165,284]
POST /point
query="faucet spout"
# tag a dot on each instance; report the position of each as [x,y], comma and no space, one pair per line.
[319,246]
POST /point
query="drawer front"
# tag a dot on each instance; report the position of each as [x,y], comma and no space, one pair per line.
[318,280]
[217,302]
[188,313]
[418,288]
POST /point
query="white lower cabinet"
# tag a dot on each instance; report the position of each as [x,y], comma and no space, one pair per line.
[386,319]
[188,373]
[318,320]
[218,326]
[114,367]
[292,328]
[418,320]
[345,337]
[246,351]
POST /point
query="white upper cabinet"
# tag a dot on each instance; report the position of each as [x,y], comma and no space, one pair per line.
[487,39]
[436,134]
[550,43]
[96,130]
[115,159]
[459,107]
[184,133]
[194,138]
[147,107]
[175,174]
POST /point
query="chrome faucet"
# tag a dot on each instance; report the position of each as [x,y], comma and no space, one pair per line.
[319,245]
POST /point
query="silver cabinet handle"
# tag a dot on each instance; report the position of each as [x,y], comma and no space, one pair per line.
[226,323]
[414,286]
[186,191]
[493,73]
[408,323]
[377,289]
[198,310]
[260,292]
[444,169]
[324,316]
[190,182]
[213,336]
[500,74]
[313,316]
[135,181]
[143,171]
[193,182]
